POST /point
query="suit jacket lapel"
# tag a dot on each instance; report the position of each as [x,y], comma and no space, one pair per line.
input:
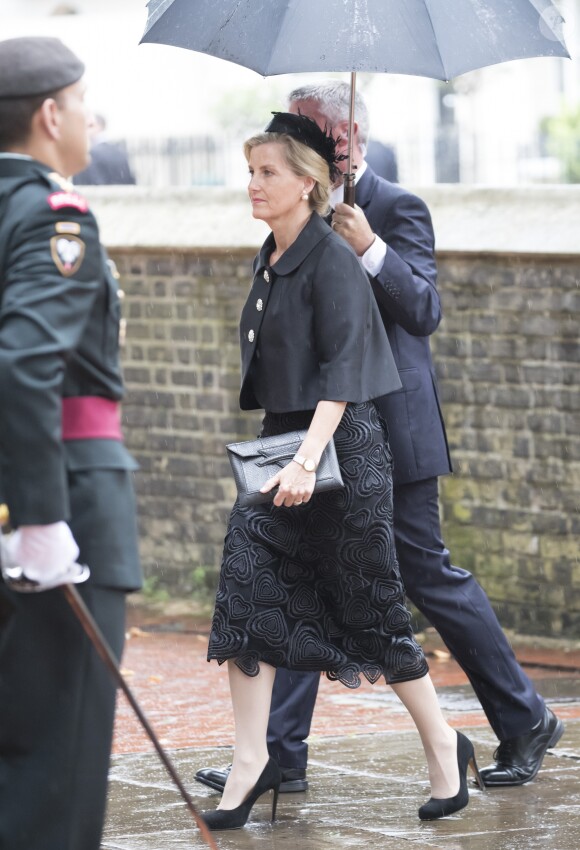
[365,188]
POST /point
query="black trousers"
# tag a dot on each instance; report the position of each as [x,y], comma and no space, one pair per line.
[57,704]
[455,604]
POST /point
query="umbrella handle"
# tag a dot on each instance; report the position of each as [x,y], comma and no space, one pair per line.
[349,177]
[96,637]
[349,189]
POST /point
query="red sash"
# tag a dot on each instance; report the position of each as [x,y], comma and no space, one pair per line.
[91,418]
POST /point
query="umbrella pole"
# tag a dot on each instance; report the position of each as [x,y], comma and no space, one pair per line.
[97,638]
[349,191]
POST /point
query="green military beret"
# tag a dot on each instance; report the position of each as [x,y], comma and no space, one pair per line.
[34,66]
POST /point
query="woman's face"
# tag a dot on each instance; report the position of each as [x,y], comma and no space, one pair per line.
[275,191]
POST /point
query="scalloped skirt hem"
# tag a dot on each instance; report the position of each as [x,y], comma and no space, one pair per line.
[349,675]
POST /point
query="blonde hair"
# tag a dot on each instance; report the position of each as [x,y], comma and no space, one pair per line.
[303,161]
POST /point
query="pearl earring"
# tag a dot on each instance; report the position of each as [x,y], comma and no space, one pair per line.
[305,196]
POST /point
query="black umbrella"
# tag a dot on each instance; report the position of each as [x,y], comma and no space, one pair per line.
[426,38]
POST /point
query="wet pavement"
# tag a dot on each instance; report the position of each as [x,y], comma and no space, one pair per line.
[366,771]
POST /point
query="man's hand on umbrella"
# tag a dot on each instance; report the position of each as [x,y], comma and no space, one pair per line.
[352,225]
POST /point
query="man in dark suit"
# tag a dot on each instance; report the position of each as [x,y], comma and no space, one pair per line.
[64,472]
[383,160]
[391,231]
[109,163]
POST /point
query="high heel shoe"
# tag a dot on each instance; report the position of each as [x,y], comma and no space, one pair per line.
[441,807]
[269,780]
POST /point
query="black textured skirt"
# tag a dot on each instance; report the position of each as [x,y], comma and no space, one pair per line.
[317,587]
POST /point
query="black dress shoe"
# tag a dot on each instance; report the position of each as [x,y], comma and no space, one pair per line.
[293,778]
[517,760]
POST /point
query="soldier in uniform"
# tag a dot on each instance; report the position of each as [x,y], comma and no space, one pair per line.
[64,472]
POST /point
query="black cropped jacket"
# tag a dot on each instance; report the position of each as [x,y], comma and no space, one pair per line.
[311,328]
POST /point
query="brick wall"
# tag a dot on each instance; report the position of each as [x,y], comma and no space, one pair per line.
[181,361]
[507,355]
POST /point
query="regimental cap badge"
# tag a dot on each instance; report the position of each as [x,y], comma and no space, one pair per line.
[68,253]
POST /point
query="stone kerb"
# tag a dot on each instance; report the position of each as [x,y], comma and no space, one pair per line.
[507,355]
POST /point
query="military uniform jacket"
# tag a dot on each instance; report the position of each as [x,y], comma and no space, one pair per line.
[311,329]
[59,328]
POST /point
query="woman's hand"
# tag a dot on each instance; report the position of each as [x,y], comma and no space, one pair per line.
[295,485]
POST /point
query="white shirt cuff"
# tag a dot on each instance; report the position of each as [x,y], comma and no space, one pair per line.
[374,257]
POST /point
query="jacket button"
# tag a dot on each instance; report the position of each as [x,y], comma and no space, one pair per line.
[266,275]
[251,336]
[259,305]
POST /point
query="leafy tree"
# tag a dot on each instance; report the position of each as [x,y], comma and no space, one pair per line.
[562,137]
[245,111]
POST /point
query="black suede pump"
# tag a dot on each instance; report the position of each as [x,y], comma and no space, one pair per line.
[269,780]
[440,808]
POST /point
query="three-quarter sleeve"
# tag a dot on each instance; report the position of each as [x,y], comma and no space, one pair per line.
[354,354]
[340,323]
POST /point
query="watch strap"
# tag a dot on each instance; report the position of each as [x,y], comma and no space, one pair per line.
[306,460]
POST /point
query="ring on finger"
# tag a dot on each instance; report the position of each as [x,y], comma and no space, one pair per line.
[298,503]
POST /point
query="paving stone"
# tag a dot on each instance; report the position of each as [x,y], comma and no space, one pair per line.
[367,772]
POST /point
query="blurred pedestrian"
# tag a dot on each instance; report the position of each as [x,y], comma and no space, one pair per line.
[65,474]
[109,163]
[382,159]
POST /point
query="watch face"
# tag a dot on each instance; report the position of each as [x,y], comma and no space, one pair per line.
[309,465]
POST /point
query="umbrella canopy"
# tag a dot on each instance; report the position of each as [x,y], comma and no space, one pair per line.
[427,38]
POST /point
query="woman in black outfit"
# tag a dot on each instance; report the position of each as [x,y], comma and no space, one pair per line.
[311,581]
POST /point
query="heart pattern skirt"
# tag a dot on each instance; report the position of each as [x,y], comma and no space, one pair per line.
[317,587]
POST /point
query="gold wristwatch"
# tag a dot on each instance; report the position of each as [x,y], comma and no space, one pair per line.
[306,462]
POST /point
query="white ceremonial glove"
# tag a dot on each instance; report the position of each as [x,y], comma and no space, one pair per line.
[45,554]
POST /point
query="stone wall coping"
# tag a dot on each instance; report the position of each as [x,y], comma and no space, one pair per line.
[538,220]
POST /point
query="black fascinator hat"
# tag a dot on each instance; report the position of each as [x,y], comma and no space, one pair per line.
[307,131]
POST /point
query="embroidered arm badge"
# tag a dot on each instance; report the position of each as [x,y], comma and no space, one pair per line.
[59,200]
[68,253]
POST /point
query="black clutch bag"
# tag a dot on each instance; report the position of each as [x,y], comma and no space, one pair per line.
[255,461]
